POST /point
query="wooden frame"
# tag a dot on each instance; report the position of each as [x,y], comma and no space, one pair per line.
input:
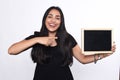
[96,40]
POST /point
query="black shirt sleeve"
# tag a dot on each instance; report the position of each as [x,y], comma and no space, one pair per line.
[36,34]
[73,41]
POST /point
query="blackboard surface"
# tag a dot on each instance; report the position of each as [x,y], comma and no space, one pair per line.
[96,41]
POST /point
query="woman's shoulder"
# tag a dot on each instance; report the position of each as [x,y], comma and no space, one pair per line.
[35,34]
[70,35]
[72,40]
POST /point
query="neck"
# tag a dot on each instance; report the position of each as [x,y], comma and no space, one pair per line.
[52,34]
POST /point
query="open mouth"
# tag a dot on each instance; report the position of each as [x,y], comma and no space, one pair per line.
[52,25]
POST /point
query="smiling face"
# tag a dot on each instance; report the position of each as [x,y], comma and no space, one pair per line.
[53,21]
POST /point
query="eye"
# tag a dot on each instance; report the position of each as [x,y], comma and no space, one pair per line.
[58,18]
[49,16]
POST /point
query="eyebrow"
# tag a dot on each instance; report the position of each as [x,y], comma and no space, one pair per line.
[52,15]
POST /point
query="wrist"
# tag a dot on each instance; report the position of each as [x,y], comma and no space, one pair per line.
[97,57]
[37,40]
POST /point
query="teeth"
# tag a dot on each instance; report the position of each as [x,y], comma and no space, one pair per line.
[52,24]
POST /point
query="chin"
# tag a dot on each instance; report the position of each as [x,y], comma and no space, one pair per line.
[52,31]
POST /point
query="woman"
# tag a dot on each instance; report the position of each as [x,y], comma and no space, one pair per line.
[53,48]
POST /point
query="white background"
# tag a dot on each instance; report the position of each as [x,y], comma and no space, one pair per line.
[20,18]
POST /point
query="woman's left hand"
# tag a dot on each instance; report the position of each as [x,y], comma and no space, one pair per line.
[113,49]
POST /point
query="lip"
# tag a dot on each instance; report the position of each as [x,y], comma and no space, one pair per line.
[52,25]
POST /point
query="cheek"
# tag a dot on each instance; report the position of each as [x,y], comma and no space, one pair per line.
[59,22]
[47,20]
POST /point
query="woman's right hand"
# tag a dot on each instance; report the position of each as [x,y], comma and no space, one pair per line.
[47,41]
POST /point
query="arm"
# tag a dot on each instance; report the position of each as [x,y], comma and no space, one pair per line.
[77,53]
[18,47]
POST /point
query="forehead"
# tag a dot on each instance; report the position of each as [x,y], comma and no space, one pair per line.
[54,11]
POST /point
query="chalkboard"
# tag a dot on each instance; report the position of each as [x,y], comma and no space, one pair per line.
[96,41]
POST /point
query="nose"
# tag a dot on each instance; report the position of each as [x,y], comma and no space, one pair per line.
[53,20]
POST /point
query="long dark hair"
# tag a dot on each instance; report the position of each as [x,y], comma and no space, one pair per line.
[38,54]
